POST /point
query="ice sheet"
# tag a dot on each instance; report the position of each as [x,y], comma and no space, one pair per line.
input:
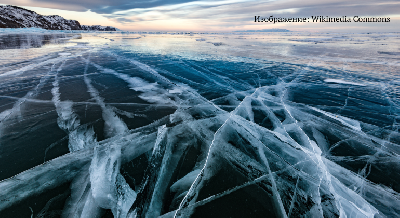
[249,125]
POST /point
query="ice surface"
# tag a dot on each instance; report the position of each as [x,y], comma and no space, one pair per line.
[165,126]
[24,30]
[342,82]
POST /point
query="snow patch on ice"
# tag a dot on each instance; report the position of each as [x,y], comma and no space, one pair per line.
[64,54]
[175,90]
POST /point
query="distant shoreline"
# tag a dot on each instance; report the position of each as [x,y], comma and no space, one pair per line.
[264,30]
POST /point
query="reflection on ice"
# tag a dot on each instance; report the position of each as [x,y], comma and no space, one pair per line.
[33,40]
[158,128]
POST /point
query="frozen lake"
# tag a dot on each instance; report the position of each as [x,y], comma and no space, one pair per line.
[199,125]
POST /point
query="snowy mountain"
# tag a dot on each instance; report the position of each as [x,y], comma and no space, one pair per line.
[16,17]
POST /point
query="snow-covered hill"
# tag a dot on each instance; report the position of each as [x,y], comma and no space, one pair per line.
[16,17]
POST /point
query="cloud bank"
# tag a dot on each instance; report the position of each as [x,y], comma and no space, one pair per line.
[223,13]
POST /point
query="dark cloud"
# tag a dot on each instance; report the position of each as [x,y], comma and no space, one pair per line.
[120,19]
[111,6]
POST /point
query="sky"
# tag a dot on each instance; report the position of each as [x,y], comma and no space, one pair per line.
[218,15]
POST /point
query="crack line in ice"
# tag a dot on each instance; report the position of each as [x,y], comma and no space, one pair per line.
[33,66]
[226,192]
[395,126]
[208,155]
[90,103]
[156,74]
[52,145]
[293,197]
[305,150]
[366,134]
[8,124]
[5,115]
[206,76]
[364,174]
[229,87]
[278,199]
[31,212]
[108,188]
[341,119]
[21,183]
[31,94]
[187,81]
[345,101]
[294,166]
[320,163]
[149,90]
[79,136]
[113,124]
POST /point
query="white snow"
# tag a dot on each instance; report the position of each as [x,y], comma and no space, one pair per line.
[64,53]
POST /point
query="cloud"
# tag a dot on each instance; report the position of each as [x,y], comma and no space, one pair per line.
[224,13]
[244,11]
[111,6]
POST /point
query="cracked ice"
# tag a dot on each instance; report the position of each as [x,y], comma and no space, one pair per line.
[135,130]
